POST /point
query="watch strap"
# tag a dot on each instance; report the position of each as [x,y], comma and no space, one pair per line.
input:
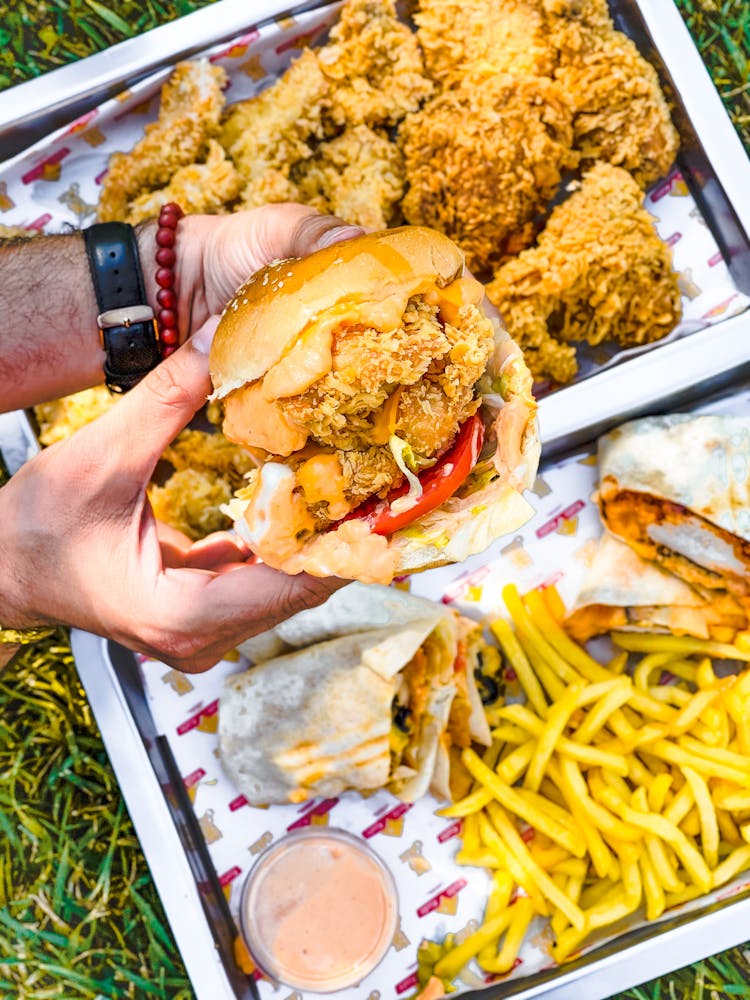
[126,322]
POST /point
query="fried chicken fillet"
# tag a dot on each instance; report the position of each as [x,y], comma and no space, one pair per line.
[599,272]
[192,101]
[477,38]
[416,381]
[621,115]
[482,161]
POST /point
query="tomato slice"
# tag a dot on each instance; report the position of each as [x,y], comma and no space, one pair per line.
[438,484]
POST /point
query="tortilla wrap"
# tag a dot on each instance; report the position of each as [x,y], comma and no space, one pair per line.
[624,592]
[676,489]
[315,715]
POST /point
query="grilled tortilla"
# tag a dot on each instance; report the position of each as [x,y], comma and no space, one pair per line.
[620,591]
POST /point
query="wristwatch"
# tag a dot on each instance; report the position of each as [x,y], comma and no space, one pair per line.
[126,322]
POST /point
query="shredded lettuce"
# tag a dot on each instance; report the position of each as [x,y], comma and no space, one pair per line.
[405,459]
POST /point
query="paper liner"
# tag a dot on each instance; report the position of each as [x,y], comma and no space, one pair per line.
[54,185]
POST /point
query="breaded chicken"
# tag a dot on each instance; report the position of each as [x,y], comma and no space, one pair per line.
[483,161]
[598,272]
[416,381]
[374,65]
[478,38]
[358,176]
[310,136]
[621,115]
[270,132]
[192,101]
[200,187]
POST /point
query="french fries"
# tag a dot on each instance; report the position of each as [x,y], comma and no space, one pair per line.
[613,794]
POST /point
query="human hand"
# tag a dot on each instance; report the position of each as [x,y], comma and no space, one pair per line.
[81,546]
[216,253]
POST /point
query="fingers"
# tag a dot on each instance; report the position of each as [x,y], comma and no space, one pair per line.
[211,613]
[133,434]
[217,552]
[243,242]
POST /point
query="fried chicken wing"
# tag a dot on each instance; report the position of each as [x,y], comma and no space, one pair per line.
[192,101]
[483,161]
[358,176]
[621,115]
[599,272]
[478,38]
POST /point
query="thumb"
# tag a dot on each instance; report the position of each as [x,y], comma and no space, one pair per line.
[152,414]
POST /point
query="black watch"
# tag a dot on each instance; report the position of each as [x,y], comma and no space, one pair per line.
[126,322]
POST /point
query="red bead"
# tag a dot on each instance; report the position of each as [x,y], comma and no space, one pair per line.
[169,335]
[168,349]
[174,208]
[165,237]
[165,277]
[168,220]
[166,298]
[166,256]
[167,317]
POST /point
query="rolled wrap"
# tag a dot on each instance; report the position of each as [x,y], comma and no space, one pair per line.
[315,715]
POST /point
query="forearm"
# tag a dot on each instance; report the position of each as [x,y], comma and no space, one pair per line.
[49,339]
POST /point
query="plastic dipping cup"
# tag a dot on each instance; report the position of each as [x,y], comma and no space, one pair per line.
[319,910]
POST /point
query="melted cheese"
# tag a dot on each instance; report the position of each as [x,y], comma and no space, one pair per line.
[322,481]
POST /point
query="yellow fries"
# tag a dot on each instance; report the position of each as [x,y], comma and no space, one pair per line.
[612,792]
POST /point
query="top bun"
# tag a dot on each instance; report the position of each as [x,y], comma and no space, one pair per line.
[365,280]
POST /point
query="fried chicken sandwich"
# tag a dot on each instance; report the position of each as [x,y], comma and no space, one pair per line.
[391,420]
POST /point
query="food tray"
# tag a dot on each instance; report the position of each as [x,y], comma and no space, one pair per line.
[181,831]
[32,110]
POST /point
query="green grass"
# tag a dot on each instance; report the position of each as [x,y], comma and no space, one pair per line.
[79,915]
[37,37]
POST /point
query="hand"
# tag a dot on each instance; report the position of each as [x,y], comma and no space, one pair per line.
[79,541]
[81,546]
[216,253]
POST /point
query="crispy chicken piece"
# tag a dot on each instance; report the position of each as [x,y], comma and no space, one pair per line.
[268,133]
[367,77]
[374,65]
[200,187]
[421,374]
[598,272]
[621,115]
[462,38]
[359,176]
[192,101]
[483,161]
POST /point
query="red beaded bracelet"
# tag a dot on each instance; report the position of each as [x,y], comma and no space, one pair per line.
[166,297]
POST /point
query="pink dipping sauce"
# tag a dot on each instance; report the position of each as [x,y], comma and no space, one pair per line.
[319,910]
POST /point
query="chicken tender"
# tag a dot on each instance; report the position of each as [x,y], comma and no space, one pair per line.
[374,65]
[268,133]
[621,115]
[200,187]
[483,161]
[598,272]
[358,176]
[192,101]
[478,38]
